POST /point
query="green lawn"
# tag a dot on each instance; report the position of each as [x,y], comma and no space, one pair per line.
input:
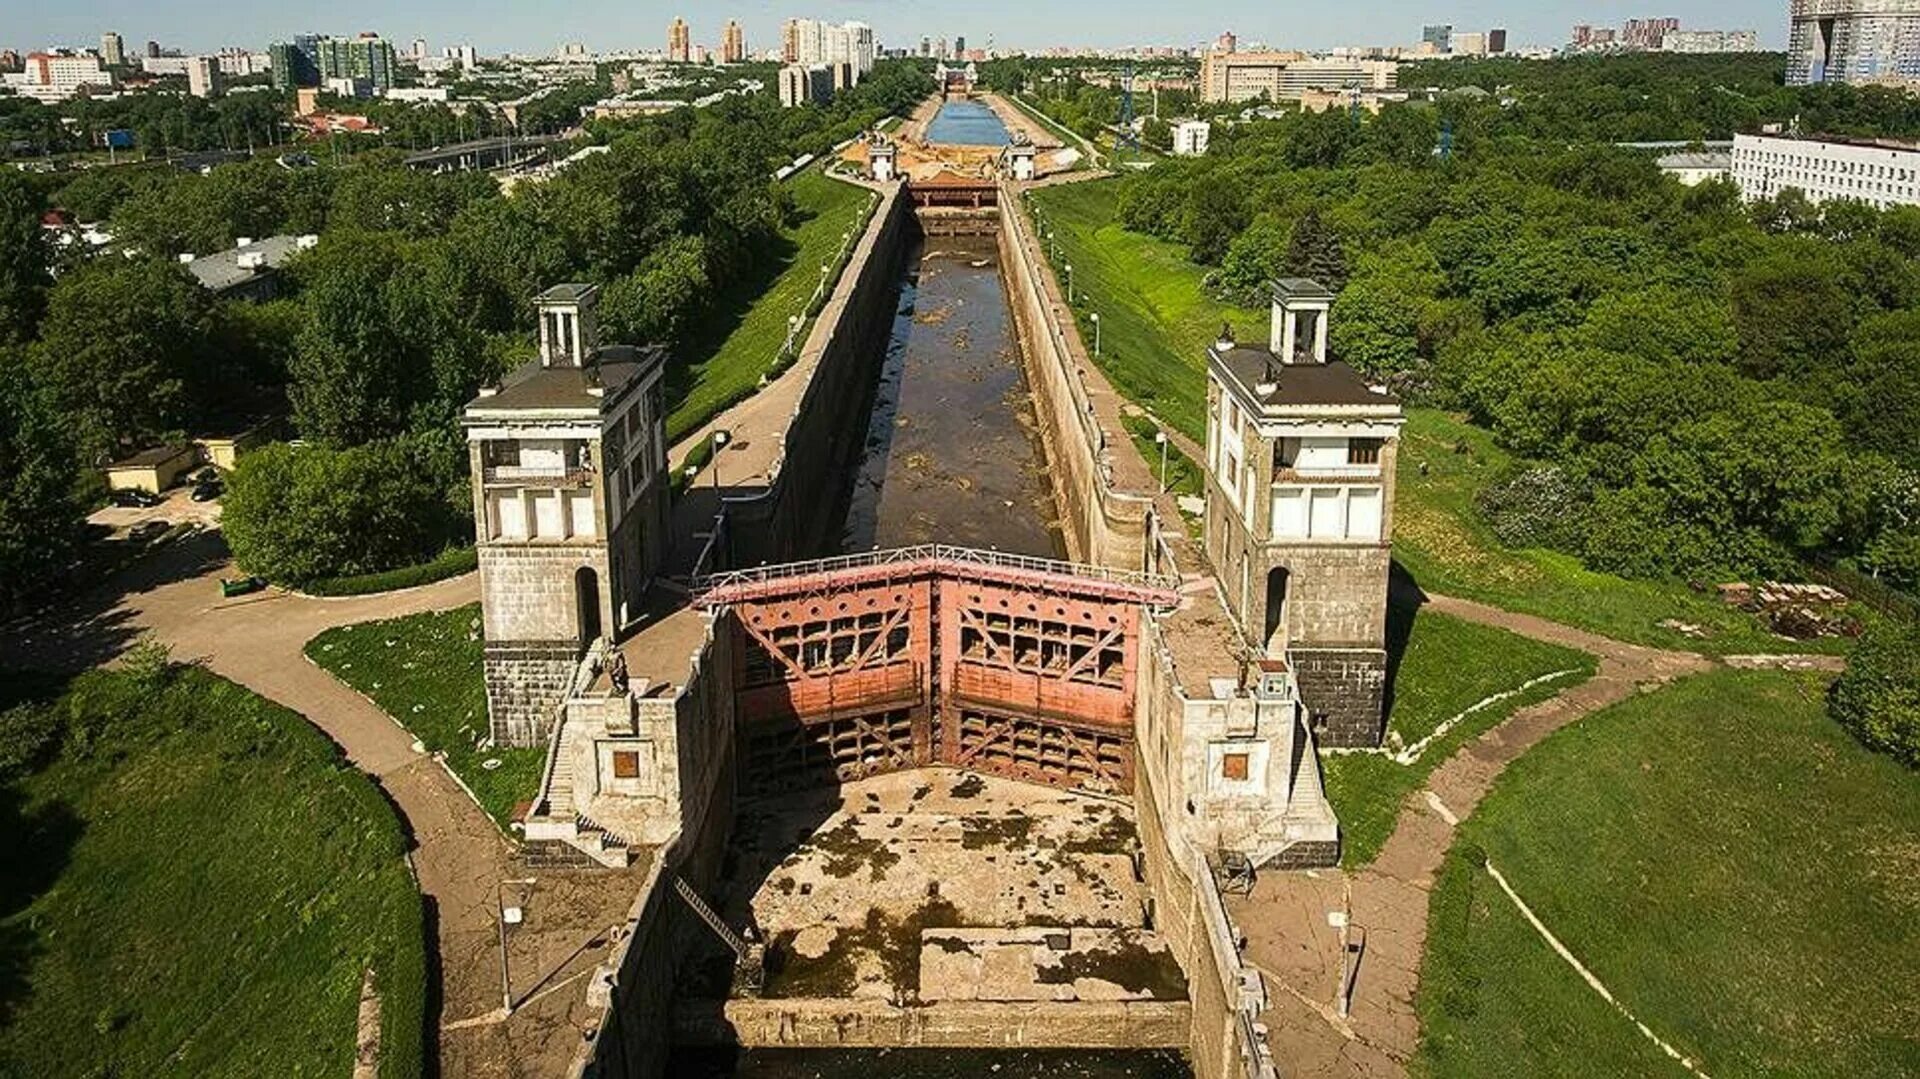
[425,671]
[1741,874]
[1446,666]
[728,354]
[194,884]
[1156,323]
[1155,319]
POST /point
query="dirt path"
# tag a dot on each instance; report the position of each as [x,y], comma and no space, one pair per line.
[1285,920]
[257,641]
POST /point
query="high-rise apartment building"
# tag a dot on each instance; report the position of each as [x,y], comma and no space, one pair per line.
[1497,40]
[1711,41]
[203,76]
[312,59]
[808,42]
[1468,43]
[1438,35]
[679,41]
[113,49]
[1853,41]
[1647,33]
[733,43]
[367,58]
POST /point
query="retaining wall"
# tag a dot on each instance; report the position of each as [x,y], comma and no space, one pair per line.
[1101,525]
[823,1024]
[636,989]
[795,517]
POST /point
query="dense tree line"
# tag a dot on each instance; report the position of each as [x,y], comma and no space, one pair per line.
[1700,387]
[416,294]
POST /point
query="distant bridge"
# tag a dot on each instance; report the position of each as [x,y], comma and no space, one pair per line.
[503,152]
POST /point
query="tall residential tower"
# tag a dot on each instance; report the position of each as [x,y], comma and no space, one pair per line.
[1854,41]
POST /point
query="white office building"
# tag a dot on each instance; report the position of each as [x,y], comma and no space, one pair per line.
[1881,174]
[1190,138]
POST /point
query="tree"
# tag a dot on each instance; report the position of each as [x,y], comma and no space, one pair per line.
[23,259]
[40,514]
[1880,395]
[1792,311]
[1314,252]
[124,354]
[354,370]
[1214,217]
[1377,319]
[1877,698]
[1663,323]
[298,514]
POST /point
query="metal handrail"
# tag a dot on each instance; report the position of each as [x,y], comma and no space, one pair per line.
[531,476]
[934,552]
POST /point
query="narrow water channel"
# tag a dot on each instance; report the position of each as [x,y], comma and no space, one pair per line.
[952,453]
[967,123]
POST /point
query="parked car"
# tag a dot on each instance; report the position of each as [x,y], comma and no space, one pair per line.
[134,498]
[207,488]
[147,531]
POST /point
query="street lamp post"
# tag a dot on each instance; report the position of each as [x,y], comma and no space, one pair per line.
[508,916]
[1069,284]
[1096,334]
[719,443]
[1161,437]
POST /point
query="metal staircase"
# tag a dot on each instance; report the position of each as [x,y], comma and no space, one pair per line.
[749,971]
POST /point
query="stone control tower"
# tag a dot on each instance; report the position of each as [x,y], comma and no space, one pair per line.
[1299,522]
[570,508]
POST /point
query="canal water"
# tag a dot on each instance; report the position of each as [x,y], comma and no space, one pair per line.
[952,452]
[967,123]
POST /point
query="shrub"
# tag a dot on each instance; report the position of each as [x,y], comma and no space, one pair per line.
[451,562]
[27,732]
[1878,698]
[1537,507]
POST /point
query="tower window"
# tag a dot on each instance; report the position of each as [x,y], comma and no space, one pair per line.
[626,764]
[1233,766]
[1363,451]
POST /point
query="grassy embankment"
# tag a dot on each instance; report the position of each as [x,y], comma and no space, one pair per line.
[1156,322]
[1731,864]
[195,883]
[424,670]
[728,354]
[1444,666]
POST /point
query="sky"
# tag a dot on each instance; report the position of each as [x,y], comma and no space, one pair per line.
[532,26]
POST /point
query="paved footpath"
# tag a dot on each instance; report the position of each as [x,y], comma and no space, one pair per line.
[1285,919]
[257,641]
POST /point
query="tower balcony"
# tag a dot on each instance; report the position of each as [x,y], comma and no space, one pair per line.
[535,476]
[1337,474]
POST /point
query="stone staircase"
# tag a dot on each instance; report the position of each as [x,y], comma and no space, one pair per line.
[557,823]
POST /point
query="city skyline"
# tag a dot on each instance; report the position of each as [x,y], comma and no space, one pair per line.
[205,25]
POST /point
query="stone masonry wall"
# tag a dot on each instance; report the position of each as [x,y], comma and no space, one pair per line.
[1100,525]
[1345,693]
[796,517]
[527,682]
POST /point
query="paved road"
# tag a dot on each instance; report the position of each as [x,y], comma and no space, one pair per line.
[460,856]
[1285,919]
